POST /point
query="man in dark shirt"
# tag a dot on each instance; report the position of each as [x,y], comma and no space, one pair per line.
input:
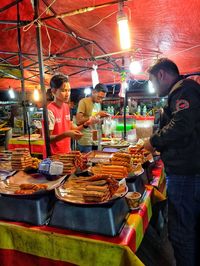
[178,141]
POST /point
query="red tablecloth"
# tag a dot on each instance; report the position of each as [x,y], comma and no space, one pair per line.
[37,146]
[158,182]
[43,245]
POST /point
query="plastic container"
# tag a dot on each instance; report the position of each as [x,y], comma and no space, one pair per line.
[49,167]
[133,199]
[120,127]
[144,126]
[131,136]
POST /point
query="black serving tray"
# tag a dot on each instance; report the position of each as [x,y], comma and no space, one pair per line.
[107,219]
[35,209]
[148,166]
[137,183]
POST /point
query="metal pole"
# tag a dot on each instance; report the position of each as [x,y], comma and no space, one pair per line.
[125,102]
[9,5]
[41,68]
[22,72]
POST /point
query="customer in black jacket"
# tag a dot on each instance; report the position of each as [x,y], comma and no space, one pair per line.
[179,144]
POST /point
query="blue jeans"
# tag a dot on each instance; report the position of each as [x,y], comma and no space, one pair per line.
[184,218]
[84,149]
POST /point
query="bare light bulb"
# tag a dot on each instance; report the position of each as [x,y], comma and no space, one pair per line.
[87,91]
[124,33]
[36,95]
[151,88]
[135,67]
[11,93]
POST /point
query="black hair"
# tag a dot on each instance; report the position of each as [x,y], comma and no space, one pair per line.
[49,95]
[165,64]
[57,81]
[101,87]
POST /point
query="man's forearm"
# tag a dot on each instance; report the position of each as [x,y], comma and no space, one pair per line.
[55,138]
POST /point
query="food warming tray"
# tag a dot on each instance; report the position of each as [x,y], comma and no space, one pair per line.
[30,208]
[137,182]
[34,210]
[106,219]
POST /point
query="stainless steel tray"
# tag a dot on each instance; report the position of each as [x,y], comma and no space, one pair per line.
[99,156]
[11,184]
[61,193]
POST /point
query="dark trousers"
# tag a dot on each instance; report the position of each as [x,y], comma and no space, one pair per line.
[84,148]
[184,218]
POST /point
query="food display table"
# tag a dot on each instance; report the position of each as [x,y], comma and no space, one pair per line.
[42,245]
[37,145]
[158,182]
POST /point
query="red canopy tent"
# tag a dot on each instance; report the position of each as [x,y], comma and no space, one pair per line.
[76,41]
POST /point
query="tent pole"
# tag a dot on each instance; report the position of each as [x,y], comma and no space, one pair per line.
[22,72]
[125,102]
[10,5]
[41,69]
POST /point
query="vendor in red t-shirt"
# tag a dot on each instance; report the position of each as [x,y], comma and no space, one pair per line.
[60,126]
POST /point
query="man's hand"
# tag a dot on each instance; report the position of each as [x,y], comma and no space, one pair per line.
[74,134]
[148,146]
[102,114]
[93,120]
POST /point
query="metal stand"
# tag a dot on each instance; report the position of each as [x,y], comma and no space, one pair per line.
[41,68]
[125,103]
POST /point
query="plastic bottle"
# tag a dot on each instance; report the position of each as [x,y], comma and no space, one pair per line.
[127,110]
[138,110]
[112,110]
[108,110]
[144,110]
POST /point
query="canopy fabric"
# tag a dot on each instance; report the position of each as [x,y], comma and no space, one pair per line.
[74,43]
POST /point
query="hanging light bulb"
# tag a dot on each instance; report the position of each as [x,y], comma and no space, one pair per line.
[151,87]
[124,34]
[95,78]
[36,95]
[135,67]
[11,93]
[87,91]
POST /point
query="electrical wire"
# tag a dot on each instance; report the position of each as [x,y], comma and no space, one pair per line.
[91,27]
[49,51]
[28,26]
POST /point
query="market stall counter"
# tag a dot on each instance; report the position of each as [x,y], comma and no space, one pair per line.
[22,243]
[36,143]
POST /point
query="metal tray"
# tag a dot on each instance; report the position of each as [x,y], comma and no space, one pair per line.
[8,186]
[5,174]
[60,194]
[120,143]
[117,146]
[99,156]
